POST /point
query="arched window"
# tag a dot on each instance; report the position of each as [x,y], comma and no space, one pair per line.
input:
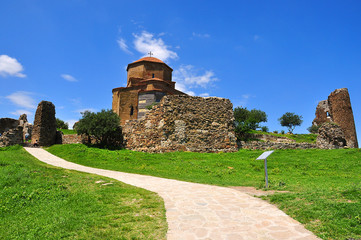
[131,111]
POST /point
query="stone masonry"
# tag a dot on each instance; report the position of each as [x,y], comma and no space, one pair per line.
[11,132]
[44,129]
[184,123]
[337,109]
[330,136]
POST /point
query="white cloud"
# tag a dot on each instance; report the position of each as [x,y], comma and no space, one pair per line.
[204,95]
[10,67]
[183,88]
[188,76]
[71,123]
[200,35]
[122,44]
[22,111]
[69,78]
[22,99]
[145,42]
[243,101]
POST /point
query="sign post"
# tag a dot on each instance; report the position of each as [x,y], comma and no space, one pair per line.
[264,157]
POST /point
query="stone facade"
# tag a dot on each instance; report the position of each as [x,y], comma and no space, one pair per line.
[148,80]
[330,136]
[337,109]
[184,123]
[44,129]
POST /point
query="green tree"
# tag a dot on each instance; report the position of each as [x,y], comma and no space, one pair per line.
[246,120]
[313,129]
[290,120]
[61,124]
[104,126]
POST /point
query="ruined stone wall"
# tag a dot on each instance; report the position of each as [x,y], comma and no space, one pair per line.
[8,123]
[337,109]
[184,123]
[44,129]
[72,138]
[260,145]
[341,113]
[12,137]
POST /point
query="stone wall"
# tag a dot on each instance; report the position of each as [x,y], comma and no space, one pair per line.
[184,123]
[275,145]
[72,138]
[13,131]
[330,136]
[12,136]
[337,109]
[44,129]
[8,123]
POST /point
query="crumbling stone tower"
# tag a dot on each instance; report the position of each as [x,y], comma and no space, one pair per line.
[337,109]
[44,130]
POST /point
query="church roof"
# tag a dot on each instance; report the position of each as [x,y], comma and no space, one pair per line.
[150,59]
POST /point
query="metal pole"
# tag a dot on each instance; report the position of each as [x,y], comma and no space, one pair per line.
[265,172]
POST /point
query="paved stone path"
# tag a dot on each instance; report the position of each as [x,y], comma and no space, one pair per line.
[199,211]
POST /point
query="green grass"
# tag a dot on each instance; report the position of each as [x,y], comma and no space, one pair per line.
[299,138]
[324,185]
[67,131]
[38,201]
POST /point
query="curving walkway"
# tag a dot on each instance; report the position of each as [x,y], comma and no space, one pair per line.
[199,211]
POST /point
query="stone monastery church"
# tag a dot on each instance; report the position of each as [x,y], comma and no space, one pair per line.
[148,80]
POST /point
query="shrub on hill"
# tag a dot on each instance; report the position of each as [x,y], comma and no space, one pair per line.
[60,124]
[103,126]
[247,120]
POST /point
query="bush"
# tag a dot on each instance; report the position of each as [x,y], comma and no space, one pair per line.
[264,129]
[104,126]
[313,129]
[283,132]
[275,131]
[247,120]
[290,120]
[149,107]
[61,124]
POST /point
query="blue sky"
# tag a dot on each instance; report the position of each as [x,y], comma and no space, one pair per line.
[277,56]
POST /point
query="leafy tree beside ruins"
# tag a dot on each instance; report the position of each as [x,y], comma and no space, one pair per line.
[246,120]
[103,126]
[290,120]
[60,124]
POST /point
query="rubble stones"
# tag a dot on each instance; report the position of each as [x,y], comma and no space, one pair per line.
[337,109]
[11,132]
[12,136]
[23,118]
[330,136]
[8,123]
[260,145]
[44,129]
[184,123]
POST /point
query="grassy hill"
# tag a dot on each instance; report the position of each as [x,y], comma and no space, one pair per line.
[324,186]
[38,201]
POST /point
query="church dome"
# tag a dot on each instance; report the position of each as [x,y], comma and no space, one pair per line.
[149,59]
